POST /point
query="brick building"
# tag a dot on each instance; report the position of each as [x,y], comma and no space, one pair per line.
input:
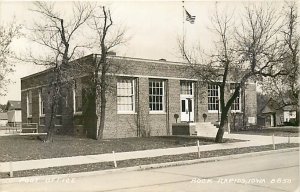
[144,96]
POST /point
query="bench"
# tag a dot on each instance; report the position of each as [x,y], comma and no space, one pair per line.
[29,128]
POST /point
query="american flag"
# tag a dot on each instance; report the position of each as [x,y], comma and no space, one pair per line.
[189,17]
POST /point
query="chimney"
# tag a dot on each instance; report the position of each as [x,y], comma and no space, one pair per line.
[111,53]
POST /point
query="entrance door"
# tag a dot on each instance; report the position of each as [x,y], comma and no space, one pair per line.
[187,109]
[273,120]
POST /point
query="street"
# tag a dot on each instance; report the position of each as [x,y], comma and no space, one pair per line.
[273,172]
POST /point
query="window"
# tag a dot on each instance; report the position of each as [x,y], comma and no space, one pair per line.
[186,88]
[125,95]
[42,101]
[236,105]
[42,92]
[156,95]
[29,103]
[77,94]
[213,98]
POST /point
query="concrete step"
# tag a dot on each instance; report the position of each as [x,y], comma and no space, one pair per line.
[206,129]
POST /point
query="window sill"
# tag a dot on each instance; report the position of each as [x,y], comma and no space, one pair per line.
[236,111]
[30,116]
[126,113]
[42,115]
[157,112]
[214,112]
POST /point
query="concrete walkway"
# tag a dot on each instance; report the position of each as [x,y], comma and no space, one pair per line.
[253,140]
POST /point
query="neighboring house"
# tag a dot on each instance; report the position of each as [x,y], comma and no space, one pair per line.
[145,95]
[270,116]
[3,119]
[14,114]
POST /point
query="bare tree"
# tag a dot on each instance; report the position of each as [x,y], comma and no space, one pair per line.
[284,90]
[243,53]
[7,35]
[57,35]
[106,40]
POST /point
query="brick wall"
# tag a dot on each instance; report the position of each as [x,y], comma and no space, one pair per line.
[174,101]
[34,84]
[142,122]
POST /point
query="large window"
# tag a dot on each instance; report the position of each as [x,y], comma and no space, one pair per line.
[77,94]
[156,95]
[42,101]
[236,105]
[213,98]
[29,103]
[186,88]
[125,95]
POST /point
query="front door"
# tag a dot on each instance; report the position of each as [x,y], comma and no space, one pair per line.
[187,101]
[187,109]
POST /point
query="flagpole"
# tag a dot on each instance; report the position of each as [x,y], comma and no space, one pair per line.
[183,43]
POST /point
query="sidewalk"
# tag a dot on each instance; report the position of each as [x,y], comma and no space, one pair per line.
[253,140]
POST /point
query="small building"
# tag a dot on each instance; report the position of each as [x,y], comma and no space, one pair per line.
[271,117]
[14,113]
[145,96]
[290,115]
[3,119]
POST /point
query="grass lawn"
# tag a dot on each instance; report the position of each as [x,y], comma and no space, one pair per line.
[16,148]
[144,161]
[278,131]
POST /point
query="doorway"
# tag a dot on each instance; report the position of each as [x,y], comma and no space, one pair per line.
[187,101]
[187,109]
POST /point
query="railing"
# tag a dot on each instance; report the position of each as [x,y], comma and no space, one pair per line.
[29,128]
[23,128]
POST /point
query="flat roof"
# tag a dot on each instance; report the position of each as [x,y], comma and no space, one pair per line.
[115,57]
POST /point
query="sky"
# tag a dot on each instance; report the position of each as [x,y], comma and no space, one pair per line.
[152,27]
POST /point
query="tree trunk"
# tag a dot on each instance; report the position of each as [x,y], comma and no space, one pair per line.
[220,133]
[102,115]
[53,110]
[90,115]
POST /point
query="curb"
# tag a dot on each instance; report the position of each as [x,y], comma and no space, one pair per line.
[69,176]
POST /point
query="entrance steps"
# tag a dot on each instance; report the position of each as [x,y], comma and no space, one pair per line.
[206,129]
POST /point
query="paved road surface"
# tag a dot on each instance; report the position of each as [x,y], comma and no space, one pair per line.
[274,172]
